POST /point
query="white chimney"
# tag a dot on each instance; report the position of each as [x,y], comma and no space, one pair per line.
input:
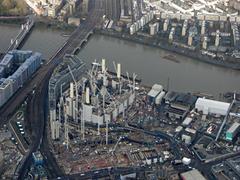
[103,65]
[71,90]
[118,71]
[87,95]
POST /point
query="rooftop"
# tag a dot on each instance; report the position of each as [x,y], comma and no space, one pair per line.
[193,174]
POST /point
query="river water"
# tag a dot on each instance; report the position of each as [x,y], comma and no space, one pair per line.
[41,39]
[7,32]
[184,74]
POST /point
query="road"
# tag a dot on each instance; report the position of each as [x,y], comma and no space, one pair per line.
[15,101]
[104,173]
[38,111]
[204,167]
[39,82]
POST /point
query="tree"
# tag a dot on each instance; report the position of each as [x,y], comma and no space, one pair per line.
[8,4]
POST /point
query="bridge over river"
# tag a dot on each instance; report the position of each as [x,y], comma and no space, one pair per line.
[25,30]
[37,107]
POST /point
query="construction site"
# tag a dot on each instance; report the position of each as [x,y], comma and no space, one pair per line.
[89,129]
[100,120]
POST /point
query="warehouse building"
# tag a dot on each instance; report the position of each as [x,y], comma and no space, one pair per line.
[193,174]
[179,104]
[154,92]
[208,106]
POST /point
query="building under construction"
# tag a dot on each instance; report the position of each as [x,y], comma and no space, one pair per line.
[97,97]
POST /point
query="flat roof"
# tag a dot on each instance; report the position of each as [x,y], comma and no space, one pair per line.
[170,96]
[157,87]
[233,128]
[187,121]
[193,174]
[185,98]
[6,60]
[153,92]
[212,103]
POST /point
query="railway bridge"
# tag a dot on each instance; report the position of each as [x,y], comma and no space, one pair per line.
[25,30]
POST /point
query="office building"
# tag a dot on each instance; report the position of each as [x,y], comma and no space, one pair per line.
[85,6]
[13,81]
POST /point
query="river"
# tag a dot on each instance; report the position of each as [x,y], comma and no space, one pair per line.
[184,74]
[42,39]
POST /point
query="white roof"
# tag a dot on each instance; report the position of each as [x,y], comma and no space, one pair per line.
[193,174]
[212,106]
[161,95]
[187,121]
[179,128]
[157,87]
[190,130]
[153,93]
[212,103]
[233,128]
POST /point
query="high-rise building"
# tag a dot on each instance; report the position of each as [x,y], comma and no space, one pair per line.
[113,9]
[126,7]
[85,6]
[55,2]
[14,81]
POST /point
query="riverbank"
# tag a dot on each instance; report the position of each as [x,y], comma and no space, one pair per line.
[149,41]
[39,22]
[54,24]
[12,20]
[13,7]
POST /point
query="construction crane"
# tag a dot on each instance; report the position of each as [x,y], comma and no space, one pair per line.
[133,81]
[119,139]
[226,117]
[76,104]
[103,92]
[76,87]
[66,127]
[81,131]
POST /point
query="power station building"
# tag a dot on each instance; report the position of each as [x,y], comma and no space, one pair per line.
[96,96]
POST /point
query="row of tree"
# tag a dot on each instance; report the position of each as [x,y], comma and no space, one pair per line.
[13,7]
